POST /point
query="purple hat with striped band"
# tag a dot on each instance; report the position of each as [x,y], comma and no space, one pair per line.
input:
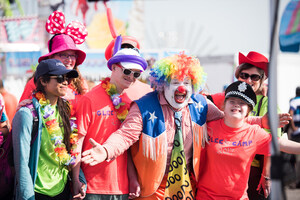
[129,59]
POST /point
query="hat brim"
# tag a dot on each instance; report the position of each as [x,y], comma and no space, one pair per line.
[132,58]
[129,65]
[242,97]
[70,73]
[80,55]
[261,65]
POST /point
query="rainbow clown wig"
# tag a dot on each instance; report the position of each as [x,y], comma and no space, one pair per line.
[177,66]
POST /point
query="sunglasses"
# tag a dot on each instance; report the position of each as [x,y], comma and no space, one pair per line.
[128,71]
[61,78]
[254,77]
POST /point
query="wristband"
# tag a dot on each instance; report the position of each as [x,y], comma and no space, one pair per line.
[266,177]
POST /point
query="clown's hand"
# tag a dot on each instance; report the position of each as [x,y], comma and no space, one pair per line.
[283,119]
[95,155]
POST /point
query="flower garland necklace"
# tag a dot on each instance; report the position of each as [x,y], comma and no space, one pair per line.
[111,90]
[54,131]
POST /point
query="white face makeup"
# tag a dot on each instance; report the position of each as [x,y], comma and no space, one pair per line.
[178,92]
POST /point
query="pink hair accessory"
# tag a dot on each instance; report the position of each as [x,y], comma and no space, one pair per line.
[56,25]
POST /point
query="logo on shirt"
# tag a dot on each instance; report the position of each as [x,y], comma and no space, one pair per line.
[105,112]
[228,145]
[232,143]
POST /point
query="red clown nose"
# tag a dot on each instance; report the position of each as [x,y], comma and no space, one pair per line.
[181,89]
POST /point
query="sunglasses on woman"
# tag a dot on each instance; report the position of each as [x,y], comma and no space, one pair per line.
[61,78]
[245,76]
[128,71]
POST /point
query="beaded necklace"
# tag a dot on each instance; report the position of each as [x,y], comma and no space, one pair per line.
[111,90]
[54,131]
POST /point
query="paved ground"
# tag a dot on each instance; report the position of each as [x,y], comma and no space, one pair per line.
[292,194]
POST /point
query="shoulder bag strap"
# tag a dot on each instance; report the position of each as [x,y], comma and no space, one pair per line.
[259,105]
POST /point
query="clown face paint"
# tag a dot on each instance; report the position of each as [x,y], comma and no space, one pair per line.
[178,92]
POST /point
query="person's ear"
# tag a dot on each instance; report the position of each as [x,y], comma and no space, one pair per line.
[249,111]
[43,82]
[113,67]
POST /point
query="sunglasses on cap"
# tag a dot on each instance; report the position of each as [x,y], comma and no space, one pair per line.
[254,77]
[128,71]
[61,78]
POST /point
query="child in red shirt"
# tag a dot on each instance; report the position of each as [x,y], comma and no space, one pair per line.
[232,145]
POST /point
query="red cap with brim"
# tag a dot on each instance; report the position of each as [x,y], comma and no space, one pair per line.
[256,59]
[61,43]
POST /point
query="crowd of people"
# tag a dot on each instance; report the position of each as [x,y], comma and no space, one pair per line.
[125,139]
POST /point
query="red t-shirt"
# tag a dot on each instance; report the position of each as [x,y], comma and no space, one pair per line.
[96,118]
[218,99]
[29,88]
[226,160]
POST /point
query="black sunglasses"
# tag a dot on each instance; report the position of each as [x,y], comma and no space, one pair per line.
[254,77]
[61,78]
[128,71]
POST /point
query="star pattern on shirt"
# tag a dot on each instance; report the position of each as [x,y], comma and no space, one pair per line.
[199,106]
[152,116]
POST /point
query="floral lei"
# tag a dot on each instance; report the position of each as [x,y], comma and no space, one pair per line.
[55,133]
[121,107]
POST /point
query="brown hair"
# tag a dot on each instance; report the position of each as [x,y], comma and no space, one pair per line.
[63,109]
[77,83]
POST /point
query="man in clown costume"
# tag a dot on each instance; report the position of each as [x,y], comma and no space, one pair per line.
[157,141]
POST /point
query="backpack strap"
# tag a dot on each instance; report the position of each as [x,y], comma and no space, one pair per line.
[35,123]
[259,105]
